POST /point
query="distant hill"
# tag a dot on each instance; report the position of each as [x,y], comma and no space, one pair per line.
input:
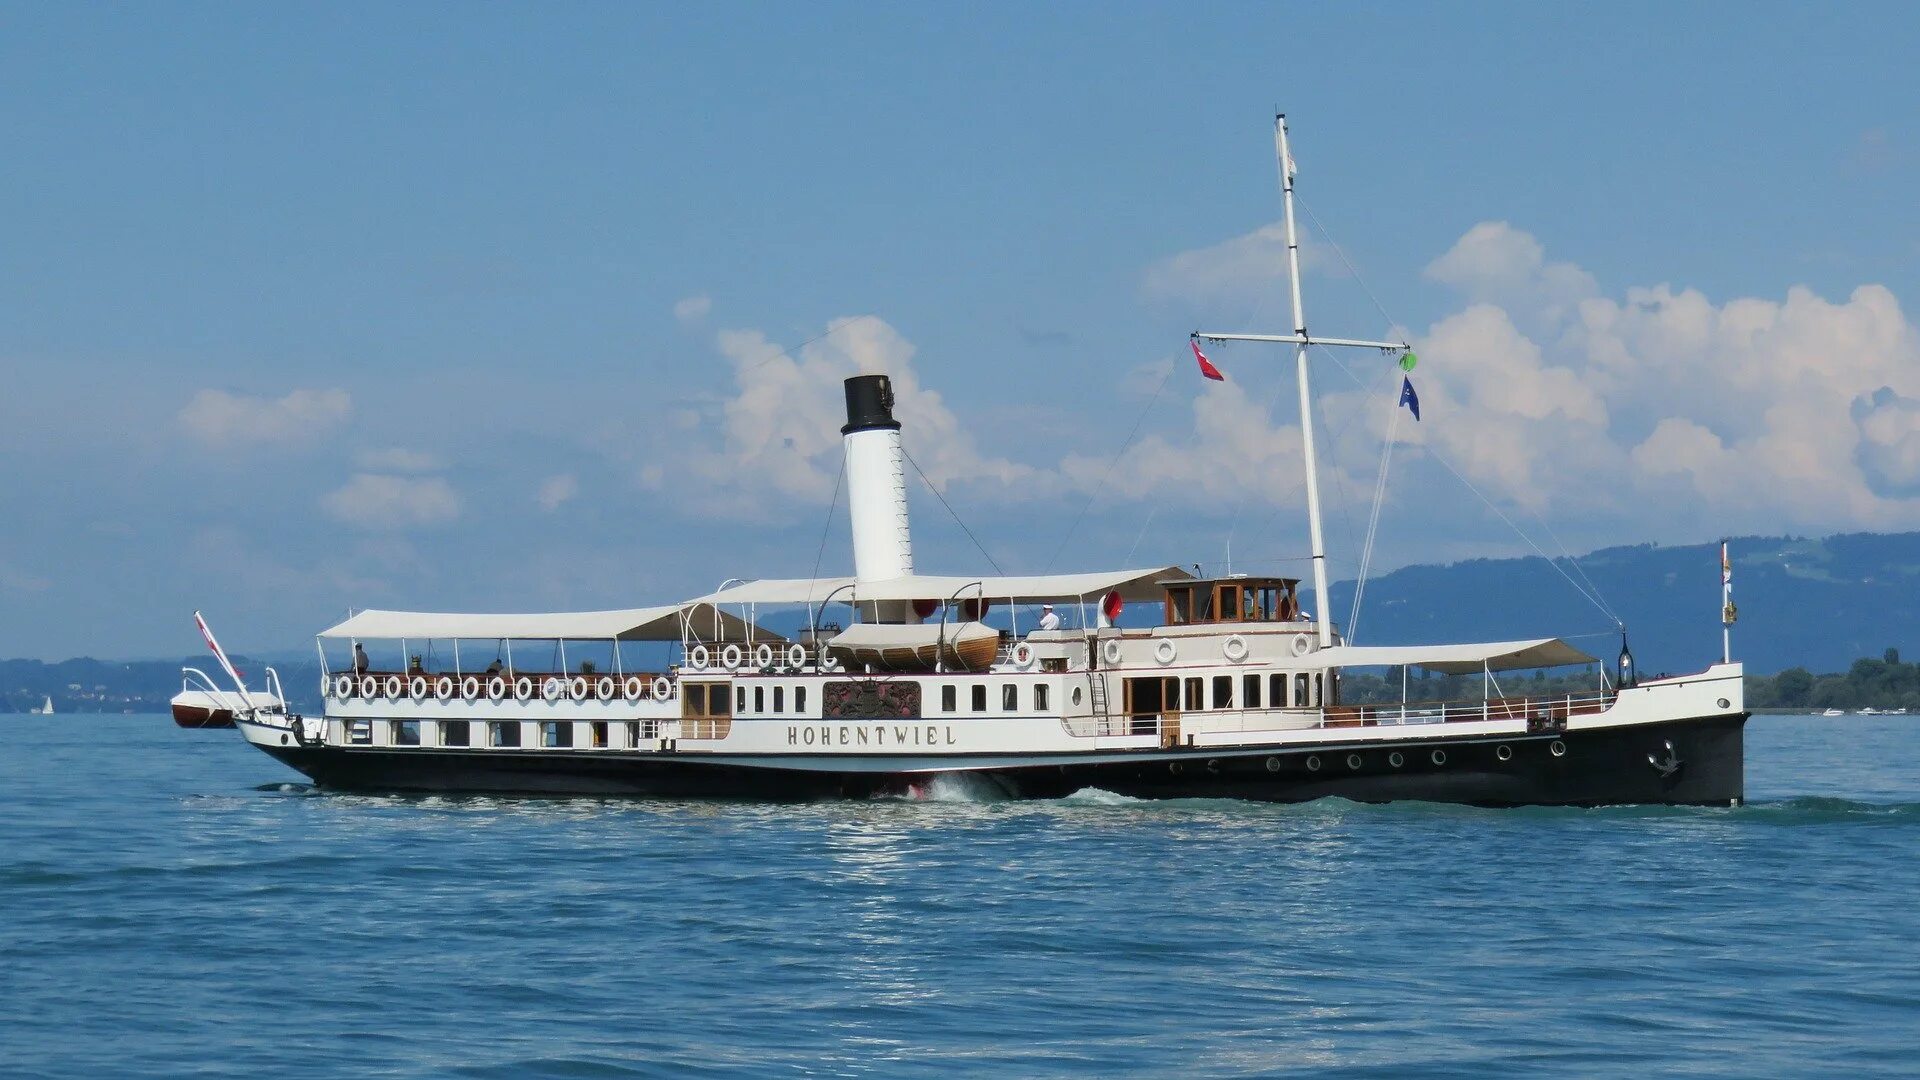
[1817,604]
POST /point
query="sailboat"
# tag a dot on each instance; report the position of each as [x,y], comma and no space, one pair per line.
[1218,686]
[45,708]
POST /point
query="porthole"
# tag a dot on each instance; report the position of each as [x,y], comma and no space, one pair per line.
[1076,695]
[1559,748]
[1725,704]
[283,740]
[1173,767]
[1213,766]
[1273,764]
[1353,761]
[1313,763]
[1394,759]
[1505,753]
[1439,757]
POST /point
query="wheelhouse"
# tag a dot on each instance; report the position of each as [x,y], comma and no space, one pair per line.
[1236,599]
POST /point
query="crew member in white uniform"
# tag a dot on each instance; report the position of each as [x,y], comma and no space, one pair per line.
[1048,619]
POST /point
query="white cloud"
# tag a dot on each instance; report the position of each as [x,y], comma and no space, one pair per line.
[398,459]
[1499,264]
[218,418]
[555,491]
[692,309]
[1252,266]
[381,501]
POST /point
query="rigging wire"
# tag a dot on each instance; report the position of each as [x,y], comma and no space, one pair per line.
[839,478]
[950,510]
[1172,366]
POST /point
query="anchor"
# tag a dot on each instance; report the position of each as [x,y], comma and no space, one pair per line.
[1668,767]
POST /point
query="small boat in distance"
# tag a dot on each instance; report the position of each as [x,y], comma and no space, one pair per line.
[1834,712]
[43,709]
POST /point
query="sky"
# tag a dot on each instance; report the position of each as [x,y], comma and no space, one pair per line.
[510,307]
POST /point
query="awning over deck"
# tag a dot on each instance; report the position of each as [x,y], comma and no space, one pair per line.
[707,623]
[1133,585]
[1458,659]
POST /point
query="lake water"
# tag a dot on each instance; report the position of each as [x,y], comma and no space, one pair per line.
[174,903]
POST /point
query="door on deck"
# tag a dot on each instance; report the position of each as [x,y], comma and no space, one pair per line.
[1153,704]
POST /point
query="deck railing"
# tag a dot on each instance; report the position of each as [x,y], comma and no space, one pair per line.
[1542,712]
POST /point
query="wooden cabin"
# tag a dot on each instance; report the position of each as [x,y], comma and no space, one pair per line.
[1238,599]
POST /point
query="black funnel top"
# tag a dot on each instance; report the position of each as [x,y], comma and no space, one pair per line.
[869,404]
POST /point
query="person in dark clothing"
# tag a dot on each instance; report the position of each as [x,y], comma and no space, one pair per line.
[359,659]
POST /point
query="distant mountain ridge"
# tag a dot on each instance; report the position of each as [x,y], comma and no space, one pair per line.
[1818,604]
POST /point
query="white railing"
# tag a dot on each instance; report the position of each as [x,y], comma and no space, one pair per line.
[1547,711]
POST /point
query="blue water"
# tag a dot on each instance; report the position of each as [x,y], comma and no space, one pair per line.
[175,904]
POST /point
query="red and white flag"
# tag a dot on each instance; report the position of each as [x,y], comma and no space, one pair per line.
[1206,365]
[218,653]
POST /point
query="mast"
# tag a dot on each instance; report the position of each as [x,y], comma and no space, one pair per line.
[1323,619]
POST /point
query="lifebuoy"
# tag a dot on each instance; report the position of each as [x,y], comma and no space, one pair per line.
[828,661]
[634,687]
[393,687]
[697,658]
[1235,648]
[577,689]
[343,686]
[1110,650]
[369,686]
[763,656]
[1164,651]
[1301,645]
[604,688]
[732,657]
[796,655]
[470,687]
[1023,655]
[496,688]
[417,687]
[443,687]
[522,688]
[662,689]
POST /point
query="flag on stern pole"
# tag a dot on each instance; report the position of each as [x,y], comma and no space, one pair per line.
[1408,398]
[1206,365]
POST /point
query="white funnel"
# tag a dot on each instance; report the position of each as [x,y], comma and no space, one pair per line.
[876,482]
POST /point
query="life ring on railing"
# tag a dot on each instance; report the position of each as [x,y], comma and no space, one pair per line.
[662,689]
[496,688]
[1110,650]
[763,656]
[604,688]
[1164,651]
[697,658]
[417,687]
[470,687]
[443,687]
[829,662]
[1235,648]
[1301,645]
[394,687]
[1023,656]
[634,687]
[369,686]
[577,688]
[343,686]
[732,657]
[796,655]
[522,688]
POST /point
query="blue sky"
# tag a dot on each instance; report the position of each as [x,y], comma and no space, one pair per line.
[304,308]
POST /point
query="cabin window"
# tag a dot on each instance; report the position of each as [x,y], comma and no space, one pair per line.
[718,700]
[1317,692]
[406,733]
[1277,691]
[454,733]
[360,732]
[1179,606]
[759,699]
[504,732]
[556,735]
[799,699]
[1040,698]
[599,734]
[1076,697]
[633,734]
[1300,691]
[742,707]
[980,698]
[1228,602]
[1195,687]
[949,698]
[1223,691]
[1250,698]
[779,699]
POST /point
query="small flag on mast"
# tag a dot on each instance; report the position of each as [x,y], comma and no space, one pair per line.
[1408,398]
[1206,366]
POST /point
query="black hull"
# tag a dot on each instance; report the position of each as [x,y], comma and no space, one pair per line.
[1680,762]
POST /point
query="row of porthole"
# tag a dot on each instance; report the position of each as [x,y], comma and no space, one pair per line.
[1398,760]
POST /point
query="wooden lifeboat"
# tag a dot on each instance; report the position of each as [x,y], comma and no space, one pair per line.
[200,709]
[968,646]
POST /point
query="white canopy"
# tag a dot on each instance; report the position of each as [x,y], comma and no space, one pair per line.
[633,624]
[1458,659]
[1048,588]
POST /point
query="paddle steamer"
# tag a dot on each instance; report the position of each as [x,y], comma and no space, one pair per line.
[1162,684]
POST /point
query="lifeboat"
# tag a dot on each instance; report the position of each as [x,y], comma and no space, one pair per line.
[205,709]
[968,646]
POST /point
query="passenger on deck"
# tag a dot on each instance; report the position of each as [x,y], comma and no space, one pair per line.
[359,659]
[494,668]
[1048,619]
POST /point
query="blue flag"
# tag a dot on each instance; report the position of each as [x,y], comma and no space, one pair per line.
[1408,398]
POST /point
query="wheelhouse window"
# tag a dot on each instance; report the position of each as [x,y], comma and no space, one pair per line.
[1223,691]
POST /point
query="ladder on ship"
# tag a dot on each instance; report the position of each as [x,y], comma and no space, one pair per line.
[1097,700]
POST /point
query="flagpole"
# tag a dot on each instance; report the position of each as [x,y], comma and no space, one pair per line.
[1726,606]
[1323,622]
